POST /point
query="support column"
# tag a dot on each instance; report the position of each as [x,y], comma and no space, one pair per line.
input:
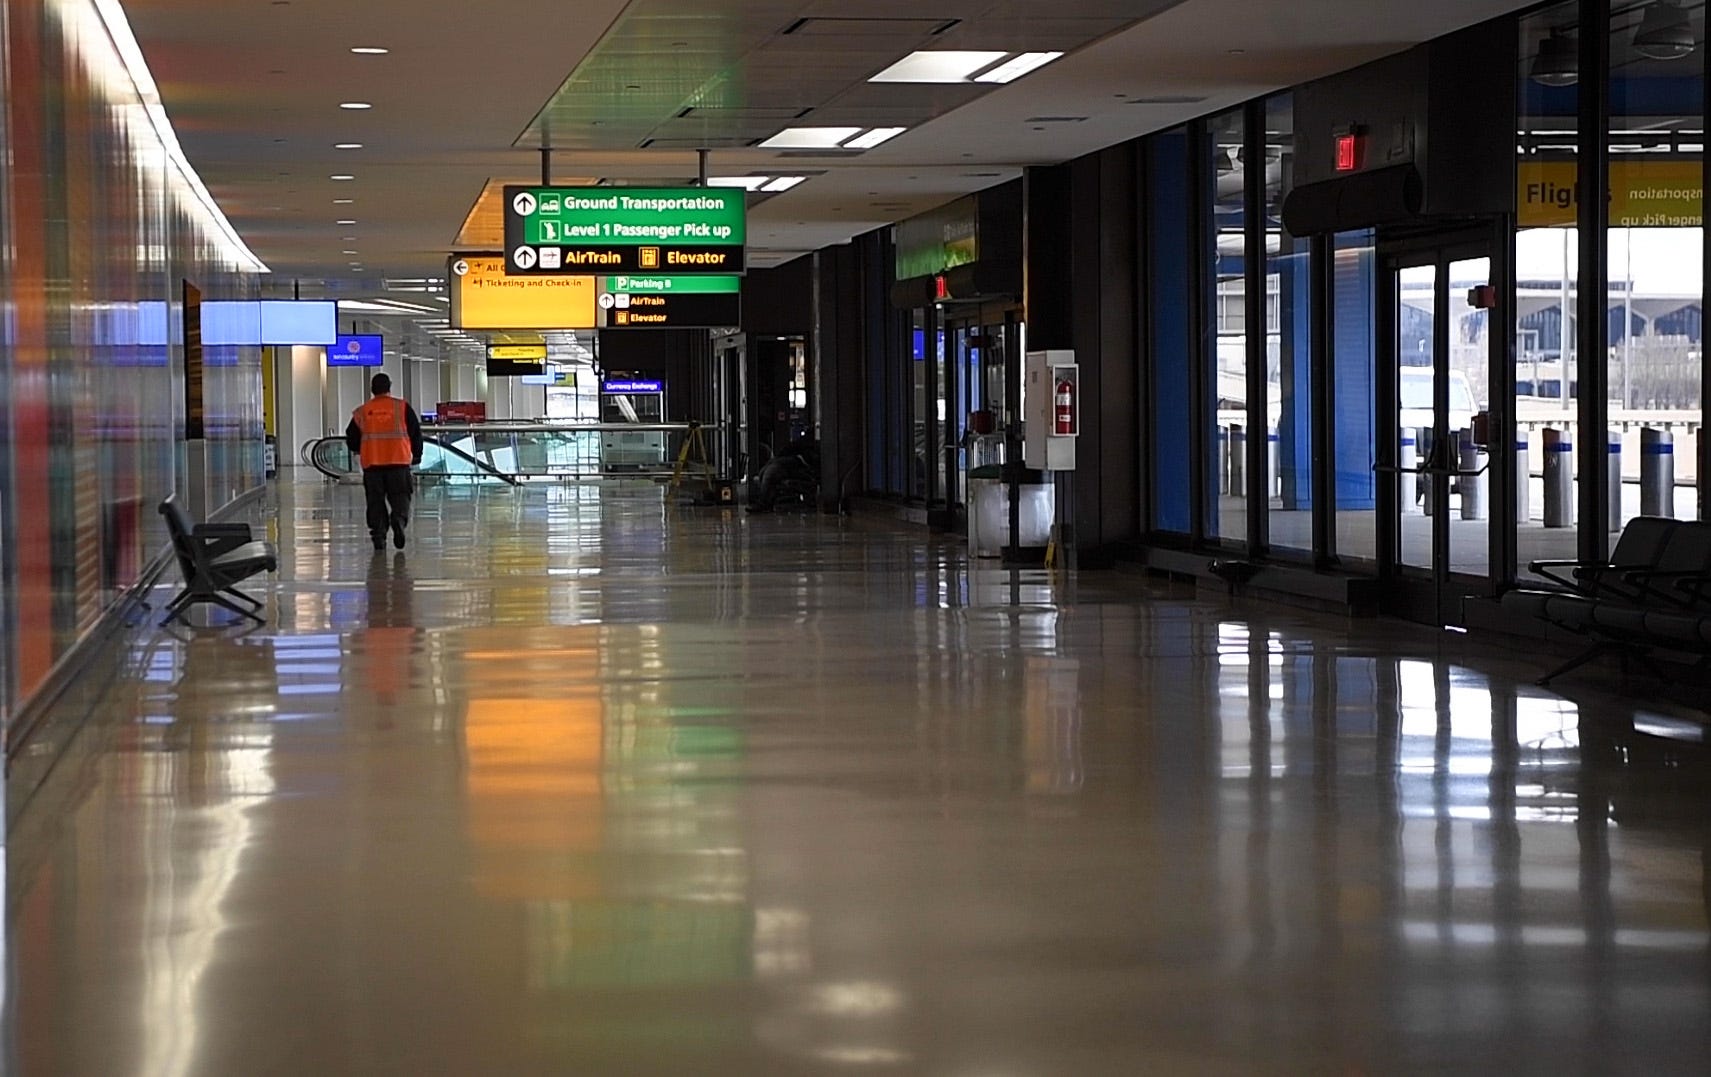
[1592,365]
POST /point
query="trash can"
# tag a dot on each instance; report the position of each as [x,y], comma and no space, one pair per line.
[989,510]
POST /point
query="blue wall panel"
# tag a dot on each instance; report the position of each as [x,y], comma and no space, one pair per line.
[1353,367]
[1168,281]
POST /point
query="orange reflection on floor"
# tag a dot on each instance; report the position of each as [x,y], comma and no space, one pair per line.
[533,788]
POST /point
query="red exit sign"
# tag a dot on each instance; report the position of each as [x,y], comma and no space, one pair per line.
[1350,148]
[1348,152]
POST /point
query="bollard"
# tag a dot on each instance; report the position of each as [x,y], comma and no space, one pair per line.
[1523,479]
[1559,478]
[1274,482]
[1657,472]
[1474,488]
[1407,460]
[1613,468]
[1223,460]
[1238,461]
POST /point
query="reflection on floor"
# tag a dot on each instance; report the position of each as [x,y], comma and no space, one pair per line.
[579,783]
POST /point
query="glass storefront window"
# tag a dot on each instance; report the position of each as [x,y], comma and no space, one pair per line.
[1288,282]
[1227,173]
[1547,259]
[1655,266]
[1354,394]
[920,407]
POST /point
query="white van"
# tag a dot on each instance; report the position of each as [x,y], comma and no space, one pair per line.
[1415,385]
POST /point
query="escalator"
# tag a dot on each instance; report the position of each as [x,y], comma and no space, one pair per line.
[441,462]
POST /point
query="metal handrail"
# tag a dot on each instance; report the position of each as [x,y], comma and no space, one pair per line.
[515,427]
[311,453]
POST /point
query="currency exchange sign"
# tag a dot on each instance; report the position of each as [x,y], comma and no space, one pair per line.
[575,231]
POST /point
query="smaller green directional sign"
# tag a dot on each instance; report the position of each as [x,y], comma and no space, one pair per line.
[654,285]
[641,301]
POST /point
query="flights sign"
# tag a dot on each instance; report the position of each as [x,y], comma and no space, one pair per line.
[659,302]
[568,231]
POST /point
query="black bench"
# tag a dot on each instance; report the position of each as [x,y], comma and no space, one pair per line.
[1654,593]
[214,559]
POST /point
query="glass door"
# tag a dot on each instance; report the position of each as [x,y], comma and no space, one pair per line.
[1440,352]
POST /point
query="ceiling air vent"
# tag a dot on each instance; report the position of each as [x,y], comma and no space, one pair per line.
[716,112]
[841,26]
[1055,119]
[1168,99]
[698,143]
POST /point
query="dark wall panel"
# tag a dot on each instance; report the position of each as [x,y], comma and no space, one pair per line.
[779,302]
[677,355]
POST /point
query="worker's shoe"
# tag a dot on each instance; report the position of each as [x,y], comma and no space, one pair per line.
[379,542]
[397,537]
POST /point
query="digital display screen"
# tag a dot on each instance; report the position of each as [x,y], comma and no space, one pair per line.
[553,377]
[357,349]
[225,322]
[248,322]
[305,322]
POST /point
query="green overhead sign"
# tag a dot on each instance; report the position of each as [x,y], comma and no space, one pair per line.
[584,230]
[642,301]
[673,285]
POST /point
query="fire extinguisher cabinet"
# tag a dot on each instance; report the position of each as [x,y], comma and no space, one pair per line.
[1051,410]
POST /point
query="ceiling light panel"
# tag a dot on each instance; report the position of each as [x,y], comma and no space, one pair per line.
[747,183]
[810,138]
[947,66]
[782,183]
[1017,66]
[869,139]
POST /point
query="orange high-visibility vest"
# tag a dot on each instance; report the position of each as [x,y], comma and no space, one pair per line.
[385,432]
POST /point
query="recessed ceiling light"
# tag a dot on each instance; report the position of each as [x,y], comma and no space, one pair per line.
[783,183]
[938,66]
[874,137]
[350,252]
[747,183]
[347,145]
[1017,66]
[810,138]
[355,106]
[370,50]
[343,201]
[341,177]
[344,222]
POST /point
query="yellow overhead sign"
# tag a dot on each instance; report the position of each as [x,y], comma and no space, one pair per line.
[483,297]
[518,353]
[1643,194]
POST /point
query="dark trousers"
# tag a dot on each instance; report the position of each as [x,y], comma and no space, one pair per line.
[388,490]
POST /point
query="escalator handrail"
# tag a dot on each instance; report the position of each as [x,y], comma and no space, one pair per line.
[480,465]
[311,454]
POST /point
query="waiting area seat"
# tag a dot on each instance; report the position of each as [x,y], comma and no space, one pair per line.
[214,559]
[1654,593]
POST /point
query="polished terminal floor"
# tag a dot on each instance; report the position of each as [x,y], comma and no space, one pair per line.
[584,784]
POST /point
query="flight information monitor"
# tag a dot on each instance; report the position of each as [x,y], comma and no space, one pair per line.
[357,349]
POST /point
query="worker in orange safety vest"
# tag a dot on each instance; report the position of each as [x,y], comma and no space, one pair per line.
[386,435]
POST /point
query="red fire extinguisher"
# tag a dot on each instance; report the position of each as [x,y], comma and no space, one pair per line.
[1065,399]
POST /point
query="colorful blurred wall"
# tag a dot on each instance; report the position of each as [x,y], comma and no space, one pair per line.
[103,225]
